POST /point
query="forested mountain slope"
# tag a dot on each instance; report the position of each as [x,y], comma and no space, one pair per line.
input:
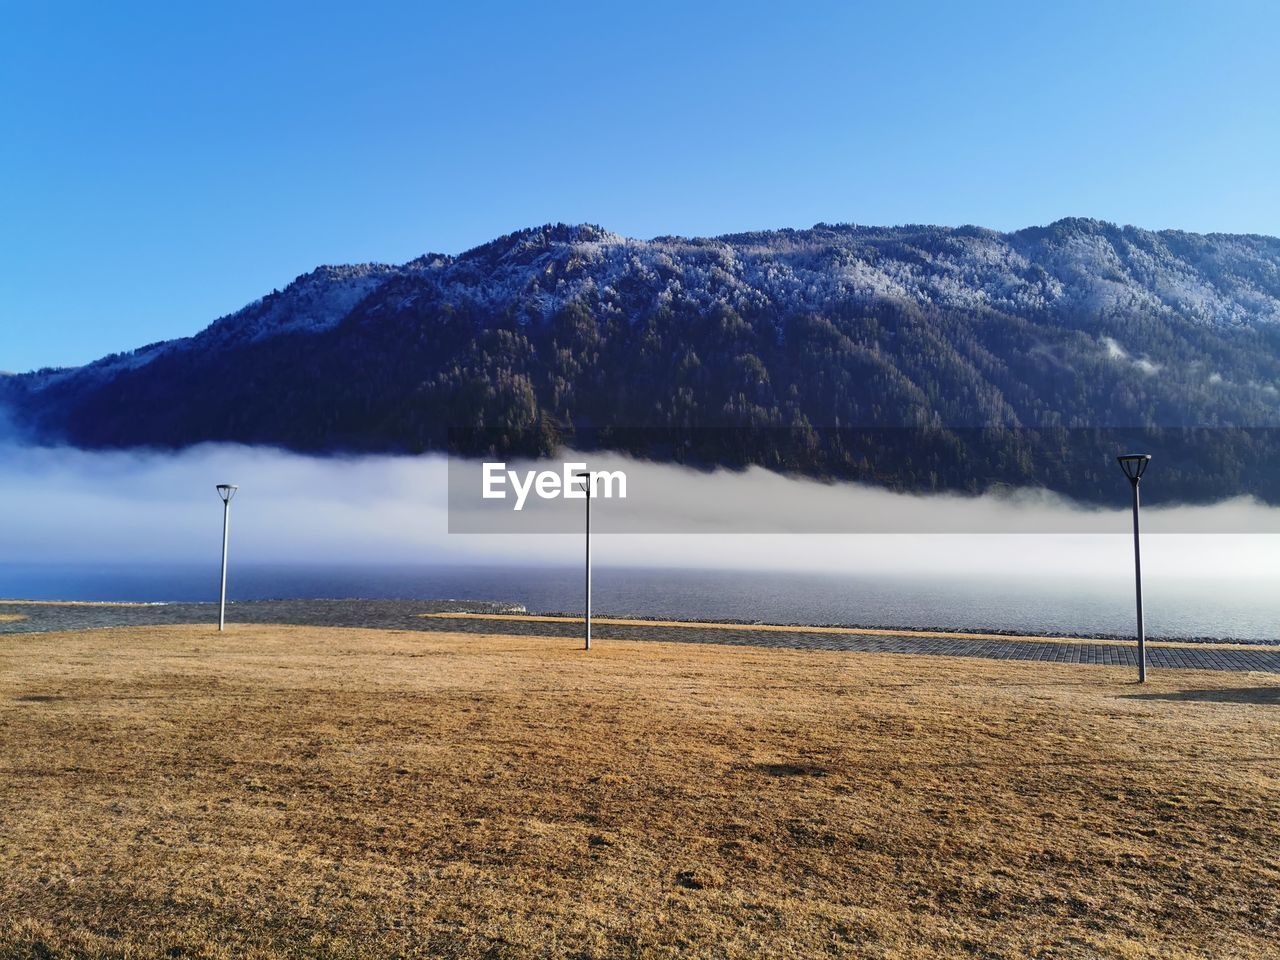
[840,351]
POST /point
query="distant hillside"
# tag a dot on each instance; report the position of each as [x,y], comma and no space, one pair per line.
[794,349]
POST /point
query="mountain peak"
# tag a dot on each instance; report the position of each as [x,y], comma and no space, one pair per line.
[524,245]
[1078,323]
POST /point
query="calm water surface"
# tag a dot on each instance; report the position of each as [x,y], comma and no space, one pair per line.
[1174,608]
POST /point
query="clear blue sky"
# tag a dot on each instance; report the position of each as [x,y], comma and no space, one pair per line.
[163,164]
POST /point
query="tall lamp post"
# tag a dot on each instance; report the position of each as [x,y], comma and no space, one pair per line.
[226,491]
[588,485]
[1134,466]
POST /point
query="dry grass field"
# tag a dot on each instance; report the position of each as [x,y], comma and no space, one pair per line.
[303,792]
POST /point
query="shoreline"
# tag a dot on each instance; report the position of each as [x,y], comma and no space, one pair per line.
[914,632]
[499,610]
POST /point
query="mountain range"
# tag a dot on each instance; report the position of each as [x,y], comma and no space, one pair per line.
[915,357]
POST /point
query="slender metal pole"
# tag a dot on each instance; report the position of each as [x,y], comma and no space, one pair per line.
[1137,577]
[226,524]
[587,645]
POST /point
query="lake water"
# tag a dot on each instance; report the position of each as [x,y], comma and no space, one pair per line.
[1248,609]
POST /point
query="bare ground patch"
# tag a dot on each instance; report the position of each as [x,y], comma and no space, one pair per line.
[281,791]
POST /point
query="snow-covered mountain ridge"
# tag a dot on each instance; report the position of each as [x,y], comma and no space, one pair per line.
[571,334]
[1073,264]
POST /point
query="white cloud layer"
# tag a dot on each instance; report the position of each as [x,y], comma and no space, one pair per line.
[61,506]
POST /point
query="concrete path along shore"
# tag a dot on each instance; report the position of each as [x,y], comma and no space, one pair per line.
[489,618]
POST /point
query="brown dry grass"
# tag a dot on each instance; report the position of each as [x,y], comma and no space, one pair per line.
[304,792]
[12,617]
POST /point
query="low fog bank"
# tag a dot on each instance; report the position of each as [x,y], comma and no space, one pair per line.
[63,505]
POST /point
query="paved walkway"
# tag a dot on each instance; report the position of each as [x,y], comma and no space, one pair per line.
[1192,656]
[381,614]
[478,618]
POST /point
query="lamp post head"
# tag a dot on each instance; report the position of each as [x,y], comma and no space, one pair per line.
[227,490]
[1134,465]
[585,478]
